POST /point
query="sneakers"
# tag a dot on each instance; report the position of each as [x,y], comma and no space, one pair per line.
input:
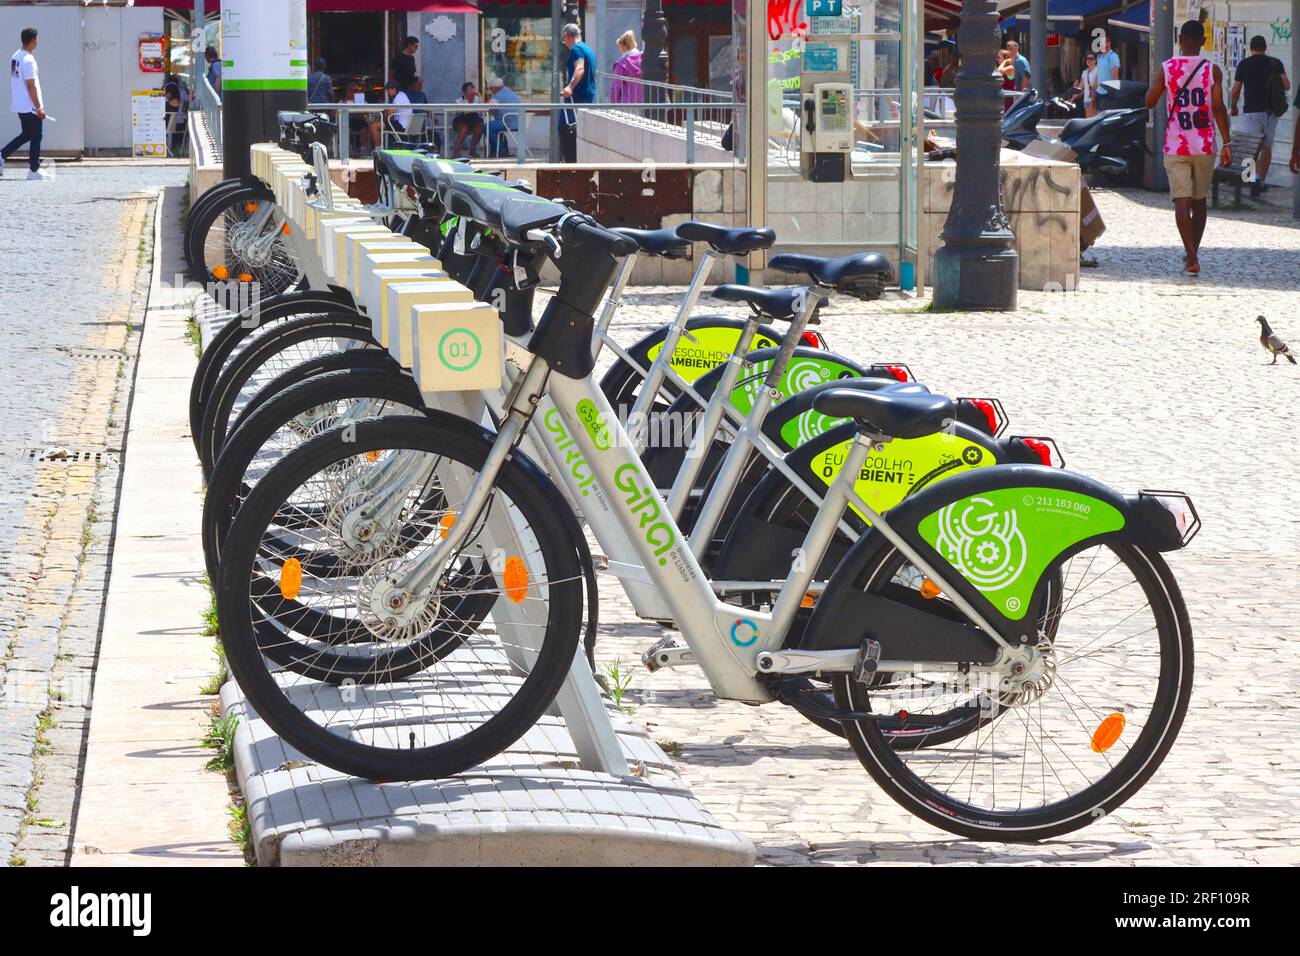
[39,174]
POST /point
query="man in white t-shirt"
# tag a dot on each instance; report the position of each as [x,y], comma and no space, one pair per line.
[25,100]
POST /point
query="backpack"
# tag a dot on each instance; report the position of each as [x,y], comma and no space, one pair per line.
[1275,93]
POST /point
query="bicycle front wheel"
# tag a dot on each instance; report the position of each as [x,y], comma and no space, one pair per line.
[491,639]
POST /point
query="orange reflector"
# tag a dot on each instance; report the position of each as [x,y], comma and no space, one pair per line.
[447,522]
[221,273]
[250,207]
[809,599]
[929,590]
[516,579]
[285,229]
[246,277]
[373,456]
[290,579]
[1107,732]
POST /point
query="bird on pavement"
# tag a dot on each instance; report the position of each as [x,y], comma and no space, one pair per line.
[1271,342]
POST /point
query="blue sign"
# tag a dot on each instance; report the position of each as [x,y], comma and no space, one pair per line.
[821,58]
[824,8]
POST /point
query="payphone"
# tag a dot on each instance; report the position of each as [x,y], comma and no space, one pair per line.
[826,110]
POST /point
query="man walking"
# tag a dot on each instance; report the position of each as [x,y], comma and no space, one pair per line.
[25,100]
[581,88]
[1263,107]
[1195,106]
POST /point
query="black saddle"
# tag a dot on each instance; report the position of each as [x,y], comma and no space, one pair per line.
[889,413]
[1080,124]
[499,206]
[864,274]
[730,242]
[397,164]
[294,118]
[430,171]
[773,303]
[657,242]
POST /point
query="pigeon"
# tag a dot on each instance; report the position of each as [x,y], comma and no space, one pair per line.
[1272,343]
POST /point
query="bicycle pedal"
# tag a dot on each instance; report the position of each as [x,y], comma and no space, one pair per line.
[864,669]
[666,652]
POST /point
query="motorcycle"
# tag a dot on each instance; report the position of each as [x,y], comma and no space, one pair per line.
[1113,142]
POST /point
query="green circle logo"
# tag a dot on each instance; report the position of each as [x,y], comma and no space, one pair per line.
[459,349]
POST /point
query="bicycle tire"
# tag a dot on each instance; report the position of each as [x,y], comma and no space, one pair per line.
[235,334]
[236,377]
[529,491]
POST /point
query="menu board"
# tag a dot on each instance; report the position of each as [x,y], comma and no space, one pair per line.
[148,123]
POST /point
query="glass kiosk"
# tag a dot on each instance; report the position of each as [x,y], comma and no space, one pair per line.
[833,120]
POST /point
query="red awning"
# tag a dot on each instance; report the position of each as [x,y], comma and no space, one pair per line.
[339,6]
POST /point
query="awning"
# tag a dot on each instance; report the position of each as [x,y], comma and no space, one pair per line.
[1136,18]
[337,6]
[1064,16]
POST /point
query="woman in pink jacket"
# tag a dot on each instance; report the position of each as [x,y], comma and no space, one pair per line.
[628,65]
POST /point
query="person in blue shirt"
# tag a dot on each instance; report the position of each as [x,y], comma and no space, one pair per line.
[581,88]
[1107,62]
[1023,74]
[502,120]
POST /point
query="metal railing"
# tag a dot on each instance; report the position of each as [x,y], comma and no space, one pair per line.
[436,122]
[210,106]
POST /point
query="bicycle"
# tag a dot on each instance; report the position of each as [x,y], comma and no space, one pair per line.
[932,580]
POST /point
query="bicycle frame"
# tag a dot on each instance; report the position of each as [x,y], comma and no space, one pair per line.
[728,642]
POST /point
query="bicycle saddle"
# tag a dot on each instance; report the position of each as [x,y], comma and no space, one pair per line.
[657,242]
[430,172]
[860,274]
[731,242]
[396,164]
[889,413]
[294,118]
[773,303]
[500,207]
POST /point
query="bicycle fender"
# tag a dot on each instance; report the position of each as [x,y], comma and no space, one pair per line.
[995,532]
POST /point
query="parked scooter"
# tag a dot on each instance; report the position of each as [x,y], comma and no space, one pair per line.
[1113,142]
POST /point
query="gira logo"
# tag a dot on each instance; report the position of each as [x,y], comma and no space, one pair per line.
[573,459]
[641,500]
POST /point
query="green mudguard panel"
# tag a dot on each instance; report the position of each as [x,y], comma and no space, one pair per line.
[801,373]
[713,345]
[1002,540]
[904,466]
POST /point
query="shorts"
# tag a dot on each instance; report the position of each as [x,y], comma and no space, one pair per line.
[1261,124]
[1190,176]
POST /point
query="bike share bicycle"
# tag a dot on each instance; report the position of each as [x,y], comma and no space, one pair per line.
[953,588]
[802,263]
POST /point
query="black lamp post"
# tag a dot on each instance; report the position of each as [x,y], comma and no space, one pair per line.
[654,37]
[977,268]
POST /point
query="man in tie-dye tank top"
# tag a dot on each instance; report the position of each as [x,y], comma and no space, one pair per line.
[1195,107]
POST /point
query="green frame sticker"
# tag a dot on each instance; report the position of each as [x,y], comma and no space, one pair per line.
[1002,541]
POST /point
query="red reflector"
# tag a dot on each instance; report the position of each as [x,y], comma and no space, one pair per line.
[990,413]
[811,340]
[898,372]
[1041,449]
[903,715]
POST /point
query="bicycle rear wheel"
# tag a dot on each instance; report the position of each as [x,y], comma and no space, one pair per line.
[478,687]
[1067,747]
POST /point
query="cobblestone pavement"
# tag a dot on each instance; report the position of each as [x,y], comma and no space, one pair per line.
[71,257]
[1147,379]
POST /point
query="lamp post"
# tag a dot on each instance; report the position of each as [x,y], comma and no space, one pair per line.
[977,268]
[654,37]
